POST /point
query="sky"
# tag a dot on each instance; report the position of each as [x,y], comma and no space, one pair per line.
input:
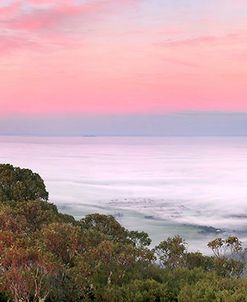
[91,62]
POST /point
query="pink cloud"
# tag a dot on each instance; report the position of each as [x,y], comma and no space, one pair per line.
[46,13]
[50,16]
[204,40]
[56,17]
[9,10]
[9,43]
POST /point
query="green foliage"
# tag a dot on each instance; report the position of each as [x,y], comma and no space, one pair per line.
[197,259]
[4,298]
[214,289]
[228,253]
[231,246]
[64,240]
[49,256]
[139,239]
[105,224]
[18,184]
[136,291]
[172,252]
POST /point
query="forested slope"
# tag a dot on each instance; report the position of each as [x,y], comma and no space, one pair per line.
[49,256]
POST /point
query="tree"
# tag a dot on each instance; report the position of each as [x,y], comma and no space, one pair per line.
[37,213]
[136,291]
[227,254]
[139,239]
[171,252]
[18,184]
[213,288]
[197,259]
[108,264]
[217,246]
[29,216]
[26,273]
[10,221]
[105,224]
[63,240]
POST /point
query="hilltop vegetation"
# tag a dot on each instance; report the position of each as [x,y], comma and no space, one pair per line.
[20,184]
[49,256]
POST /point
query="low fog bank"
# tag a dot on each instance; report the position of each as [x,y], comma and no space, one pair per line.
[169,124]
[195,187]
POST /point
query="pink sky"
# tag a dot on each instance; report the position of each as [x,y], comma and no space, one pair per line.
[125,56]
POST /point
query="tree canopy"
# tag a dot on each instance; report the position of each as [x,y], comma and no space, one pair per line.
[49,256]
[18,184]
